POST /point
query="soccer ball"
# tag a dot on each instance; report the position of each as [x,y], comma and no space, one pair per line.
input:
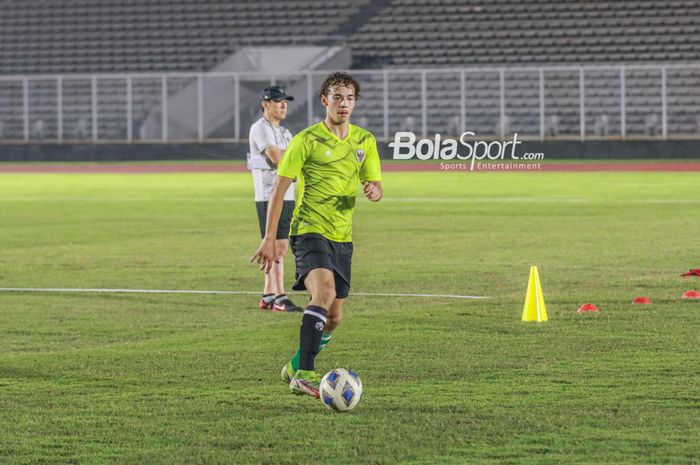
[341,390]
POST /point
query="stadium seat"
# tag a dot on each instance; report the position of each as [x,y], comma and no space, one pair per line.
[179,35]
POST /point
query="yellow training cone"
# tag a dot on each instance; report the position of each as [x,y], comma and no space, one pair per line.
[534,309]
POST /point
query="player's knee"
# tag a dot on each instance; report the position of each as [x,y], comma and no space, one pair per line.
[326,295]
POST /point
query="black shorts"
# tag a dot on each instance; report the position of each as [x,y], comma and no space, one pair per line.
[313,251]
[285,218]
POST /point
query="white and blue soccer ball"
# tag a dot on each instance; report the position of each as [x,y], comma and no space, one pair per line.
[341,390]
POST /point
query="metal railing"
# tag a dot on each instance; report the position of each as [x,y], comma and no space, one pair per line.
[564,102]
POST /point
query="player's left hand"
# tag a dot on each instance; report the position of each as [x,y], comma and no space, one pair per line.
[266,255]
[373,190]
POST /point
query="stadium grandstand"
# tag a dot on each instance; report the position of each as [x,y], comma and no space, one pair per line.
[174,70]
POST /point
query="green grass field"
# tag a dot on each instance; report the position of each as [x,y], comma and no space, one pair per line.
[193,379]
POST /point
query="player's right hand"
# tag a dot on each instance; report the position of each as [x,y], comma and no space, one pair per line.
[266,255]
[373,190]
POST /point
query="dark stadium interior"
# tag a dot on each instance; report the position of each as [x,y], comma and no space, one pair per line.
[509,59]
[64,36]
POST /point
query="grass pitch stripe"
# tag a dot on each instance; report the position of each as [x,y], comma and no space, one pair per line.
[186,291]
[446,296]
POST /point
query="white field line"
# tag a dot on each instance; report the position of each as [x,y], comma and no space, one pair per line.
[483,200]
[506,200]
[173,291]
[467,200]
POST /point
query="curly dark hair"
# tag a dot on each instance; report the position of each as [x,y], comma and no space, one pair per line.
[339,79]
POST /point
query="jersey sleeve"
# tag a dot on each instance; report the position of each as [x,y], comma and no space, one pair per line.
[262,136]
[371,170]
[294,158]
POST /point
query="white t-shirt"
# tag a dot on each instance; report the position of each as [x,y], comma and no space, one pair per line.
[262,135]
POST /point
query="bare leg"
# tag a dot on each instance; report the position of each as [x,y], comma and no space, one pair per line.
[335,315]
[268,283]
[321,285]
[274,280]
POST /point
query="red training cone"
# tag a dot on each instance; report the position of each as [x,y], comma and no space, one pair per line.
[691,295]
[585,308]
[642,300]
[693,272]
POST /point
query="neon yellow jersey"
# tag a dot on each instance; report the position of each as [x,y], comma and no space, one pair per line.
[329,172]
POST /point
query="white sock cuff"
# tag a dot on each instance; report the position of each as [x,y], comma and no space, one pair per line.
[316,314]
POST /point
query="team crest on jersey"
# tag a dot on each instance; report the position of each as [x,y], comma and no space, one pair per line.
[360,155]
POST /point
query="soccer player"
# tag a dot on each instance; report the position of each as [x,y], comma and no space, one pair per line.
[268,141]
[331,159]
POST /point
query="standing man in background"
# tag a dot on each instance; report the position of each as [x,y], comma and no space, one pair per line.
[268,141]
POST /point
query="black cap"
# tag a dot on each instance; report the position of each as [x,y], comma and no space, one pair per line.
[275,93]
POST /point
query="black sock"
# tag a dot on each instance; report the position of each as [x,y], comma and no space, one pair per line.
[269,298]
[312,324]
